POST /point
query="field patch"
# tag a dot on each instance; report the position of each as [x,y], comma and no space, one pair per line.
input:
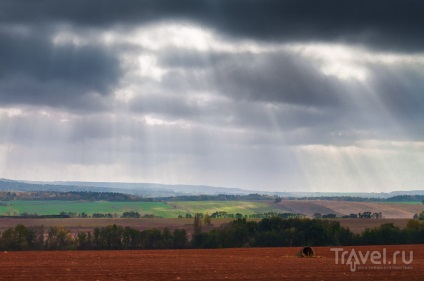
[181,208]
[215,264]
[52,207]
[231,207]
[340,208]
[159,209]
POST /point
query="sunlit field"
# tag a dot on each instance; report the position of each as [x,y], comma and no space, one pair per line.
[54,207]
[181,208]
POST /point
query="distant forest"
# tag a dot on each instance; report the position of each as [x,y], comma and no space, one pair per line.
[122,197]
[69,196]
[269,232]
[115,196]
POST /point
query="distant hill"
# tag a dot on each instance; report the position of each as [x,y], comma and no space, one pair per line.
[169,190]
[162,188]
[139,189]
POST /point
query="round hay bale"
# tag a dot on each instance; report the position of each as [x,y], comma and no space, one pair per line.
[307,252]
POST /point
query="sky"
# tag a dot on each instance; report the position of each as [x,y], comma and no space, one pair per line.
[272,95]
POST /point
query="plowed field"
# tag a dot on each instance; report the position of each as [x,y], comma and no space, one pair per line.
[76,225]
[341,208]
[224,264]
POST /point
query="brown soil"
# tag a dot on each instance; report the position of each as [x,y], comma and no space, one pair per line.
[398,214]
[224,264]
[88,224]
[359,225]
[340,208]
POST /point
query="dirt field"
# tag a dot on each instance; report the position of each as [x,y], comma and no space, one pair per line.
[225,264]
[88,224]
[359,225]
[341,208]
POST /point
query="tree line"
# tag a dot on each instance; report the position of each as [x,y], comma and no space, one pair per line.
[406,198]
[269,232]
[225,215]
[419,216]
[70,196]
[130,214]
[112,237]
[364,215]
[278,232]
[8,196]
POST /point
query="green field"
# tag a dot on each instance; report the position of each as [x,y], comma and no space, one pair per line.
[54,207]
[165,210]
[406,202]
[231,207]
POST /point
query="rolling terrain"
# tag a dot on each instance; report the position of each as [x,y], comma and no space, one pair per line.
[174,209]
[159,190]
[340,208]
[397,213]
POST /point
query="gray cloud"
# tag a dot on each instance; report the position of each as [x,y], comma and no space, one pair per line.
[269,77]
[275,77]
[394,25]
[400,90]
[281,91]
[35,71]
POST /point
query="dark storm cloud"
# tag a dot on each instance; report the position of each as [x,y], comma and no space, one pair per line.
[34,70]
[387,24]
[400,90]
[268,77]
[275,77]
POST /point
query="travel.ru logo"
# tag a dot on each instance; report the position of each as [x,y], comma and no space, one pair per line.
[355,259]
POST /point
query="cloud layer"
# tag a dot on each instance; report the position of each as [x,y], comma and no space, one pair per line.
[384,24]
[272,95]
